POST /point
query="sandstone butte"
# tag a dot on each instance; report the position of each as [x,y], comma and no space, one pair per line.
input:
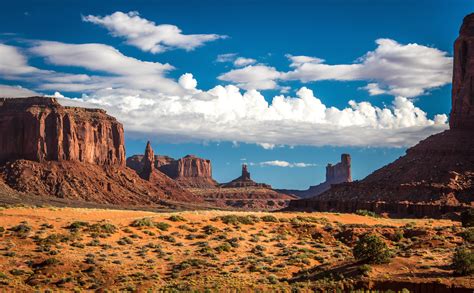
[189,171]
[436,176]
[48,150]
[335,174]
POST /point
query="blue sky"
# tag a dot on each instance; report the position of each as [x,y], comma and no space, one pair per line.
[221,124]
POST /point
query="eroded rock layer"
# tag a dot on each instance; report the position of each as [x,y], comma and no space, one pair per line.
[40,129]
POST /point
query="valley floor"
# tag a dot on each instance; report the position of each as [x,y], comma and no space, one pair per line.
[88,249]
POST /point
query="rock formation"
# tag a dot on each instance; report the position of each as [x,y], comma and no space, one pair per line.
[244,181]
[436,176]
[40,129]
[339,173]
[462,112]
[189,171]
[148,163]
[73,153]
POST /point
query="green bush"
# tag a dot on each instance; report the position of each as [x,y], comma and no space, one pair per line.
[364,269]
[468,235]
[234,219]
[269,218]
[467,218]
[463,261]
[74,226]
[371,249]
[162,226]
[144,222]
[177,218]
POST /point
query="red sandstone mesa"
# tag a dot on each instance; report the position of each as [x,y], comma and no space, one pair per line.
[73,153]
[40,129]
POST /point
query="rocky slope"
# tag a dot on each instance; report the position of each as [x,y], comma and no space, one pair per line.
[48,150]
[335,174]
[436,176]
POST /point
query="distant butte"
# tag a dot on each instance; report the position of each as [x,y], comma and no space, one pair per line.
[335,174]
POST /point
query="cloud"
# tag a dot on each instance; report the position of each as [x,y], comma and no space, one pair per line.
[237,61]
[120,71]
[226,114]
[150,104]
[257,77]
[267,146]
[7,91]
[241,61]
[228,57]
[148,36]
[392,68]
[285,164]
[187,81]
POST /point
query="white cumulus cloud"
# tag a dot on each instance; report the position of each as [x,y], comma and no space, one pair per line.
[147,35]
[392,68]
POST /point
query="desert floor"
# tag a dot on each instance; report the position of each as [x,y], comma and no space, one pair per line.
[78,249]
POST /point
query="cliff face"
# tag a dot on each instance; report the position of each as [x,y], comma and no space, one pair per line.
[189,171]
[462,112]
[40,129]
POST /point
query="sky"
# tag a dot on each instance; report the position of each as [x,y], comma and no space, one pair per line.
[283,86]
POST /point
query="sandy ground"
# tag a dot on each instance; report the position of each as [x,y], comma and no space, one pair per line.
[184,256]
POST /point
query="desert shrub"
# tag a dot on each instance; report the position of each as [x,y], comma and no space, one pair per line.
[48,262]
[397,236]
[2,229]
[364,269]
[124,241]
[77,225]
[209,229]
[162,226]
[463,261]
[167,238]
[272,279]
[17,272]
[367,213]
[224,247]
[371,249]
[467,218]
[269,218]
[234,242]
[177,218]
[235,219]
[468,235]
[102,228]
[21,230]
[144,222]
